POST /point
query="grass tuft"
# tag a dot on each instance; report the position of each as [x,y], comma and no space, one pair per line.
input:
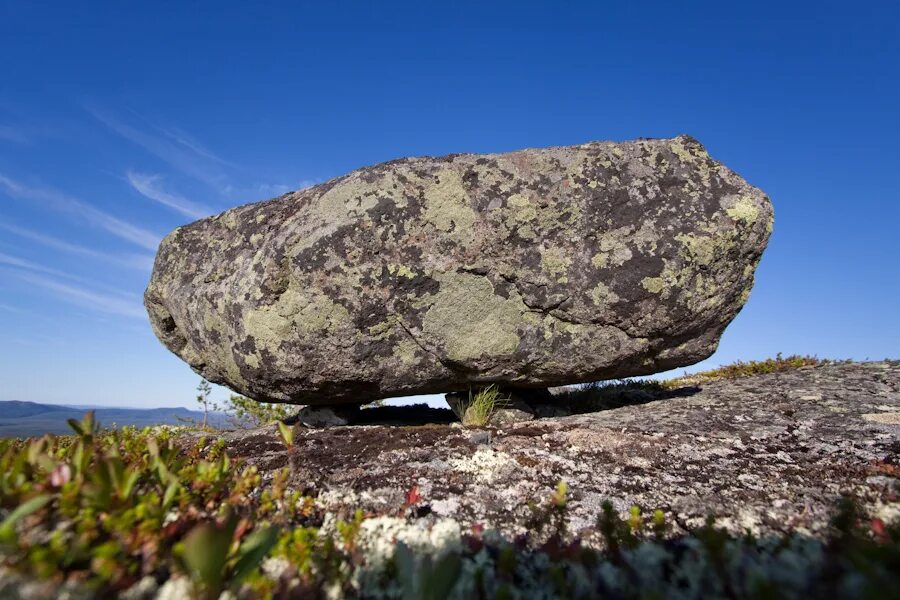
[479,409]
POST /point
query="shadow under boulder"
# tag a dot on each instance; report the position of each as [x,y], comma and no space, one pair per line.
[496,406]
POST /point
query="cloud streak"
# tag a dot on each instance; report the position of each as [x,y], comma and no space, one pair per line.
[64,203]
[20,263]
[13,134]
[140,262]
[189,142]
[148,186]
[87,298]
[38,275]
[175,148]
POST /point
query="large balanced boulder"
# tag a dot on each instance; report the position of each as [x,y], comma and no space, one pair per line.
[530,269]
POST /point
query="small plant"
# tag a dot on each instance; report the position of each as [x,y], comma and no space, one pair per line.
[204,389]
[479,409]
[247,411]
[423,577]
[745,369]
[287,435]
[605,395]
[213,559]
[106,510]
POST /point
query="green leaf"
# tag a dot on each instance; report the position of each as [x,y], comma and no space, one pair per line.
[287,434]
[75,425]
[7,527]
[253,550]
[206,552]
[407,570]
[443,577]
[169,495]
[128,484]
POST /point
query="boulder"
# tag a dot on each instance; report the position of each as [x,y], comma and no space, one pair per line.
[534,268]
[327,416]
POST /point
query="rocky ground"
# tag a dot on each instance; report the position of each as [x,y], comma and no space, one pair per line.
[768,453]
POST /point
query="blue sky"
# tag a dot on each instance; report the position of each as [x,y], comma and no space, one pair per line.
[119,122]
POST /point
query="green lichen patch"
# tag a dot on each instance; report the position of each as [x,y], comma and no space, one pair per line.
[699,248]
[556,262]
[447,206]
[654,285]
[602,295]
[470,320]
[744,209]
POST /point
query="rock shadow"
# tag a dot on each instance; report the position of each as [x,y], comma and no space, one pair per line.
[601,396]
[563,402]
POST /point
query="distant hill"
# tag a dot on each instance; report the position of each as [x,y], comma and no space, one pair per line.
[30,419]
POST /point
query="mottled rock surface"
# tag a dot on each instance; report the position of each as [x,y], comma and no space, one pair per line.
[533,268]
[769,452]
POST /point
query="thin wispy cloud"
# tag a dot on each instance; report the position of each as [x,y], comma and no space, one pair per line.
[13,134]
[149,187]
[141,262]
[87,298]
[16,265]
[64,203]
[191,143]
[21,263]
[176,150]
[14,309]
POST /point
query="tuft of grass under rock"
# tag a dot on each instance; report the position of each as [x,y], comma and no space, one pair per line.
[481,406]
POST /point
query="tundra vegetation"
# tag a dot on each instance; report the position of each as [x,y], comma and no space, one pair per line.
[146,513]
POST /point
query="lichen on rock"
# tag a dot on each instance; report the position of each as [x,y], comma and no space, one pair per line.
[533,268]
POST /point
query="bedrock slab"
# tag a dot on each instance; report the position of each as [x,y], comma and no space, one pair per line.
[534,268]
[769,453]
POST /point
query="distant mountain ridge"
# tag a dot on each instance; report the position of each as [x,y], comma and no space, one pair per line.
[17,408]
[20,418]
